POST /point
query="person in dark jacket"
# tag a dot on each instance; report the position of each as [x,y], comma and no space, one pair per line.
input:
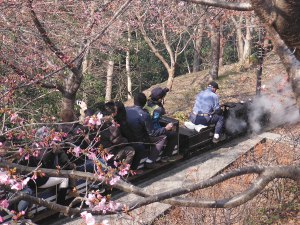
[112,139]
[156,110]
[207,110]
[141,125]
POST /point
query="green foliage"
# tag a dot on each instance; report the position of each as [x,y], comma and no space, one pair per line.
[180,116]
[92,89]
[230,54]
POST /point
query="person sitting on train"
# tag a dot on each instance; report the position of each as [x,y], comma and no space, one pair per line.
[141,125]
[156,110]
[112,139]
[207,111]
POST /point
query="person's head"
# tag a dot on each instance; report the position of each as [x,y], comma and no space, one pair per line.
[158,93]
[89,112]
[121,112]
[67,115]
[140,99]
[214,86]
[110,109]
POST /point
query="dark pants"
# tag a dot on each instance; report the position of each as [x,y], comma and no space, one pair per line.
[216,119]
[124,154]
[172,141]
[141,152]
[157,145]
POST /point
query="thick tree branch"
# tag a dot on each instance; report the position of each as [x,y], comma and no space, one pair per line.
[267,175]
[49,42]
[224,4]
[53,86]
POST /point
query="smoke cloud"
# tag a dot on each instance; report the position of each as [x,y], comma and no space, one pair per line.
[275,106]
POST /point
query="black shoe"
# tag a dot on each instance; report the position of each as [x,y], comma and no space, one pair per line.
[221,138]
[149,165]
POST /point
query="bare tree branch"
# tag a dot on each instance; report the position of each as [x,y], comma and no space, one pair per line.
[267,175]
[49,42]
[224,4]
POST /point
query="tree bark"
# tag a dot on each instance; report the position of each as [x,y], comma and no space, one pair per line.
[109,77]
[171,76]
[197,46]
[128,72]
[215,46]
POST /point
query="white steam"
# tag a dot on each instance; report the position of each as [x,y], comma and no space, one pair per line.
[277,102]
[235,125]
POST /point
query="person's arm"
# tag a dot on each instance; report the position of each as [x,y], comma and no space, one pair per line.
[148,124]
[216,105]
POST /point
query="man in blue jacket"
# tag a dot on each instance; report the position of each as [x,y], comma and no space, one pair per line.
[207,110]
[143,132]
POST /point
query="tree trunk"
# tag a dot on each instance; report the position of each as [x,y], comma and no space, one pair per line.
[283,16]
[171,75]
[247,44]
[282,20]
[240,41]
[68,101]
[197,46]
[222,45]
[197,50]
[69,90]
[128,74]
[109,78]
[215,47]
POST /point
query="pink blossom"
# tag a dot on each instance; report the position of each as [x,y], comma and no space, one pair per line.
[99,119]
[34,176]
[13,117]
[77,150]
[104,222]
[101,206]
[88,218]
[4,178]
[114,180]
[1,219]
[92,156]
[113,206]
[17,186]
[92,121]
[27,157]
[124,170]
[36,154]
[21,150]
[56,137]
[90,199]
[24,182]
[108,157]
[4,204]
[1,144]
[115,163]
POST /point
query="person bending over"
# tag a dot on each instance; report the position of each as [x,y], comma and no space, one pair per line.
[207,111]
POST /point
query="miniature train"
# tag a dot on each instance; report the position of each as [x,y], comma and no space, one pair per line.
[189,142]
